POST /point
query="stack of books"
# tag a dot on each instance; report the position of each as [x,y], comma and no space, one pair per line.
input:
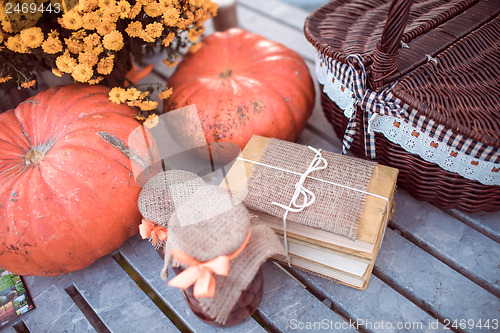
[320,252]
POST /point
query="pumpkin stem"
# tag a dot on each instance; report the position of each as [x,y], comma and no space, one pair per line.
[226,73]
[34,156]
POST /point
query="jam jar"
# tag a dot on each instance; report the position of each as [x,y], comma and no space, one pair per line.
[246,305]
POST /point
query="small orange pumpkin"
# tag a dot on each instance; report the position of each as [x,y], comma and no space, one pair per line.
[243,84]
[67,194]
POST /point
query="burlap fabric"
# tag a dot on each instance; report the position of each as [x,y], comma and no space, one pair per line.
[336,209]
[164,192]
[221,234]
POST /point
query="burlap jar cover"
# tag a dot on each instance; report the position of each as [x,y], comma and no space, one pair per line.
[159,198]
[336,209]
[210,225]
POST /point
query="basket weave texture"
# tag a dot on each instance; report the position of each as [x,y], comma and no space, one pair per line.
[446,82]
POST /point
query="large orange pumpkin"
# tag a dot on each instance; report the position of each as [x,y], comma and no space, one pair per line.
[242,84]
[67,192]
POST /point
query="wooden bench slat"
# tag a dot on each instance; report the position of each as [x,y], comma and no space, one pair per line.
[270,29]
[431,284]
[452,241]
[56,311]
[145,260]
[485,222]
[379,302]
[117,300]
[284,13]
[290,307]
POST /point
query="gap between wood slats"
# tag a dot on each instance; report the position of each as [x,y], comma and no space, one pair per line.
[425,306]
[259,318]
[146,288]
[471,222]
[324,299]
[21,327]
[87,309]
[463,271]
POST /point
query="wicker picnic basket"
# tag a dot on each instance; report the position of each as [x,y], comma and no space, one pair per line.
[416,85]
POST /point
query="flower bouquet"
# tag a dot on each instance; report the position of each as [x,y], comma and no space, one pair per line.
[96,41]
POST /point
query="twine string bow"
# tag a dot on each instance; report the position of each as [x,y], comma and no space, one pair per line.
[308,197]
[150,229]
[201,274]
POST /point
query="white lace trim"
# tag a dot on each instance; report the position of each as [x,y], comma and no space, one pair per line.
[405,135]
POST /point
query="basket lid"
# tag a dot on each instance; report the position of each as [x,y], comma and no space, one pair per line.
[341,28]
[461,89]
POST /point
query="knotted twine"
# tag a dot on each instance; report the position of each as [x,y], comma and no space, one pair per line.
[163,193]
[221,233]
[336,209]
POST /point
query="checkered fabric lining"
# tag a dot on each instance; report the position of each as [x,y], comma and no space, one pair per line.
[353,76]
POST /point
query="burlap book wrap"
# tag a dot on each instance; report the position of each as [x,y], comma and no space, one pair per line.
[212,225]
[336,209]
[163,193]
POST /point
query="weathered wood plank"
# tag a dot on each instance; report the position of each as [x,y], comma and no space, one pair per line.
[278,11]
[379,308]
[453,242]
[431,284]
[56,311]
[485,222]
[273,30]
[290,307]
[145,260]
[117,300]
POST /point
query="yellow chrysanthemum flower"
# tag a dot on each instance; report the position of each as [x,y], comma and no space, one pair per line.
[113,41]
[96,80]
[107,3]
[116,95]
[86,6]
[171,16]
[154,9]
[90,20]
[111,14]
[153,119]
[170,63]
[71,20]
[134,29]
[105,65]
[5,78]
[92,40]
[134,103]
[28,84]
[15,44]
[154,29]
[135,10]
[52,45]
[165,93]
[167,40]
[132,94]
[195,33]
[66,62]
[88,58]
[123,8]
[105,27]
[139,117]
[74,46]
[32,37]
[57,72]
[194,48]
[82,73]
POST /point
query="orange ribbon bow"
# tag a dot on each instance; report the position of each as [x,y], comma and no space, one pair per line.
[201,273]
[148,228]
